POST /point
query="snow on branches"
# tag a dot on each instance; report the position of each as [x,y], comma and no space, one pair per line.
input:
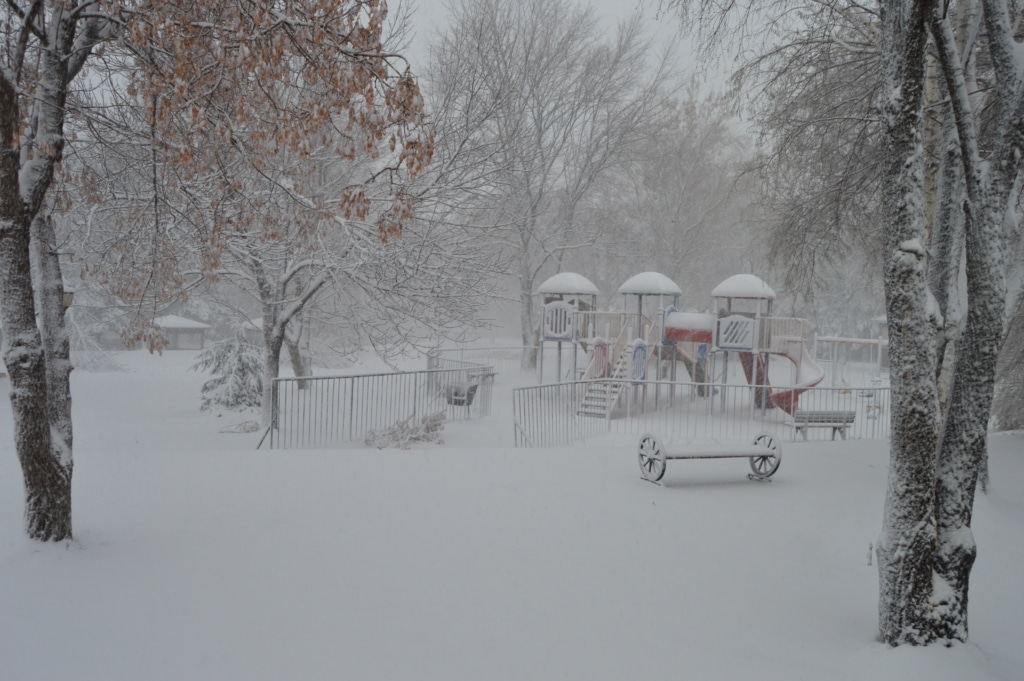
[404,433]
[241,126]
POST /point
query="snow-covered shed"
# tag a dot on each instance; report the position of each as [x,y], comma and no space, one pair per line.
[252,331]
[182,333]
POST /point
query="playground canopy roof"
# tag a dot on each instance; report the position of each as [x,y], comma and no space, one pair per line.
[567,283]
[650,283]
[744,286]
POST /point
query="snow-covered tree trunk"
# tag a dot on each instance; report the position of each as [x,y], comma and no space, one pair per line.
[990,185]
[527,320]
[56,344]
[299,362]
[927,548]
[273,340]
[46,473]
[947,244]
[1009,401]
[302,363]
[907,540]
[31,145]
[277,314]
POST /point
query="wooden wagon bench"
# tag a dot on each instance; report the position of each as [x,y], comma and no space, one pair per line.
[764,453]
[838,421]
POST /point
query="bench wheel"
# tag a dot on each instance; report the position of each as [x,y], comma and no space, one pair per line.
[765,465]
[652,458]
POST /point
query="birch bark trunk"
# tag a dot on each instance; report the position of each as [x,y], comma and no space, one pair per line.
[28,154]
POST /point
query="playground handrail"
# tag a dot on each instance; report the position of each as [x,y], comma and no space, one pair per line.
[615,349]
[787,328]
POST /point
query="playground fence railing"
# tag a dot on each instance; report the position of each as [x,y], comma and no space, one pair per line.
[326,411]
[776,331]
[547,415]
[511,364]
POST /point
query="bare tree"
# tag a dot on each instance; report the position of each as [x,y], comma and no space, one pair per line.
[679,206]
[560,105]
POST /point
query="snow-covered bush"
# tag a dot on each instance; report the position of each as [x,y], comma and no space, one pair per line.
[237,368]
[403,433]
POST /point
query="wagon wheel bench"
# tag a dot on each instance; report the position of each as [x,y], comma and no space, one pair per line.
[764,453]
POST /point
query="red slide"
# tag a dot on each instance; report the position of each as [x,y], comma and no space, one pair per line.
[808,374]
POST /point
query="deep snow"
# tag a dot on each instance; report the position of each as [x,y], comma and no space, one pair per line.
[197,557]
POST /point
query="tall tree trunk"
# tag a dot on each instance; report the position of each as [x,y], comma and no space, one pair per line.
[299,361]
[947,247]
[46,471]
[964,438]
[56,344]
[272,343]
[989,187]
[527,320]
[907,541]
[47,474]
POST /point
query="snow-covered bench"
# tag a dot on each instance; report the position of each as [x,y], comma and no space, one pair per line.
[764,452]
[460,394]
[838,421]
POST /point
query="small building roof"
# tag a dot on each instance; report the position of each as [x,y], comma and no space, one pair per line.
[567,283]
[172,321]
[744,286]
[650,283]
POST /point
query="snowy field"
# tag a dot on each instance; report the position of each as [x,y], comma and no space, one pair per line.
[197,557]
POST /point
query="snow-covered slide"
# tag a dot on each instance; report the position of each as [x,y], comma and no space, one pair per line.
[808,373]
[699,327]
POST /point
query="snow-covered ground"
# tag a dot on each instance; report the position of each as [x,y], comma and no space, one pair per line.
[197,557]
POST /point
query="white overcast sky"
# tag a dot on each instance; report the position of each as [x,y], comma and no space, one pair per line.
[431,16]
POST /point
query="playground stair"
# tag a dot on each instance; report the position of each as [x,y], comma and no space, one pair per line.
[601,396]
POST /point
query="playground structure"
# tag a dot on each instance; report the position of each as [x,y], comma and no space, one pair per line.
[628,348]
[729,373]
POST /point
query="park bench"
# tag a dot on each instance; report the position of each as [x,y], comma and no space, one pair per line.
[460,394]
[764,453]
[838,421]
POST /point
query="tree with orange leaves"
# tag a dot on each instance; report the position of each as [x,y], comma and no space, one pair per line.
[226,86]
